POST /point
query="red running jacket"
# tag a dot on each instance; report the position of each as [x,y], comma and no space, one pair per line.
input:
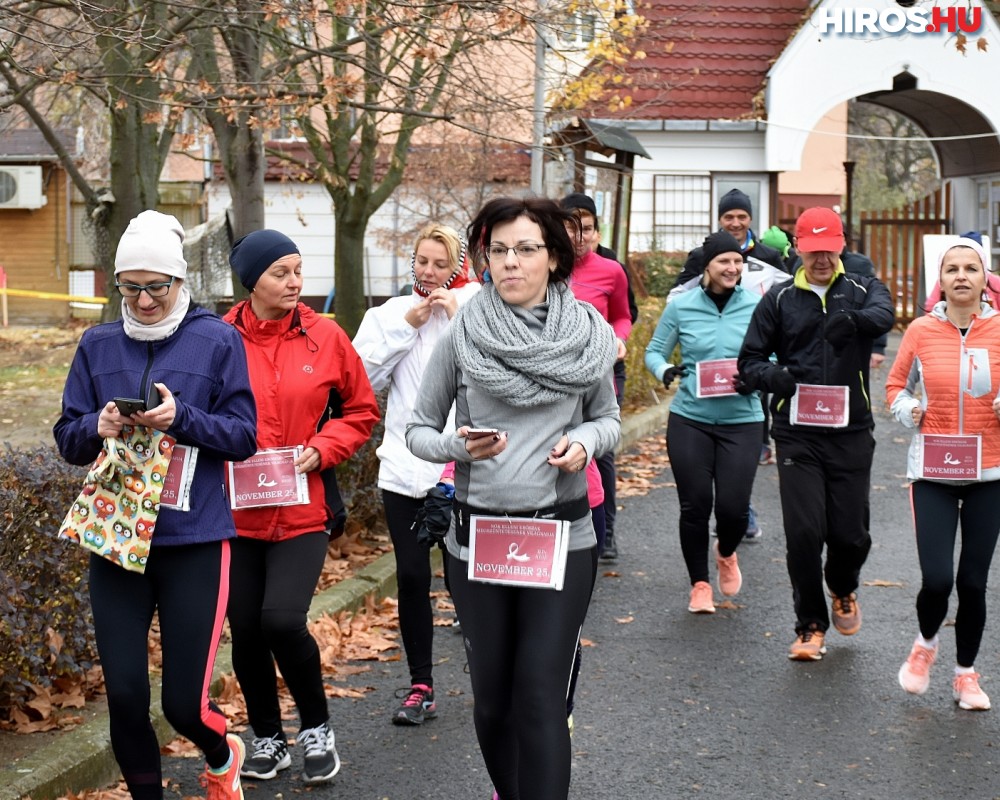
[295,363]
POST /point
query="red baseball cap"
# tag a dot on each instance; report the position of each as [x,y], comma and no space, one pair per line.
[819,230]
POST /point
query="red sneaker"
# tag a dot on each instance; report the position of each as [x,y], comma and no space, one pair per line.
[226,785]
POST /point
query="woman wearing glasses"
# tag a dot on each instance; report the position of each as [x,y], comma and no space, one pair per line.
[192,368]
[395,341]
[528,369]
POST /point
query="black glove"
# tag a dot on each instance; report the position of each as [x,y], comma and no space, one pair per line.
[671,374]
[434,518]
[741,386]
[840,329]
[782,382]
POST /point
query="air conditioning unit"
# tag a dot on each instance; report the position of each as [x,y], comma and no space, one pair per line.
[21,187]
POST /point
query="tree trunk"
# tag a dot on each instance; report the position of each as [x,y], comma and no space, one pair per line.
[135,175]
[241,152]
[349,270]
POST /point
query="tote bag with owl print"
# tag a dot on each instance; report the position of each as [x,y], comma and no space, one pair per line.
[115,514]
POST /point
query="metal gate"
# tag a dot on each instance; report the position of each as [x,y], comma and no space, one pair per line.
[893,240]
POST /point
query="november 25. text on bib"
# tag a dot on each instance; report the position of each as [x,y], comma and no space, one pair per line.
[820,406]
[518,551]
[268,478]
[950,458]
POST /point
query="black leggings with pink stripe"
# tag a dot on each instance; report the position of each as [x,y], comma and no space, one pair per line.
[187,586]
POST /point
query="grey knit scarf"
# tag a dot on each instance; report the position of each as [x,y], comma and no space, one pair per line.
[500,353]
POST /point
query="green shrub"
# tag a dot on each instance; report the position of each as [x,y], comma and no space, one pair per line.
[46,627]
[358,479]
[655,273]
[639,383]
[46,631]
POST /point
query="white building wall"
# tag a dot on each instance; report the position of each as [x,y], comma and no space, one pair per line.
[821,68]
[304,213]
[699,151]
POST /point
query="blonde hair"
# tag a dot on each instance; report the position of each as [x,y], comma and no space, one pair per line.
[448,237]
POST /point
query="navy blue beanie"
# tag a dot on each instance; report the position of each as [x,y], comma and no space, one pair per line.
[255,252]
[734,199]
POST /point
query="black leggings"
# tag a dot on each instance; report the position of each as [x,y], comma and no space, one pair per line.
[186,586]
[413,578]
[272,586]
[938,508]
[520,644]
[712,464]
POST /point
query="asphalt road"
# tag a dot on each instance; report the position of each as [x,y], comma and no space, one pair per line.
[673,705]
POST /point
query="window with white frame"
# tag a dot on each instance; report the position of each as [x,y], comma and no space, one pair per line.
[682,211]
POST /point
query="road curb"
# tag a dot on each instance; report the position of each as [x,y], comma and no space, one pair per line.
[82,758]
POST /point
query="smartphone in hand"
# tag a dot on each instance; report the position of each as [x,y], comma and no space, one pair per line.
[481,433]
[127,406]
[132,405]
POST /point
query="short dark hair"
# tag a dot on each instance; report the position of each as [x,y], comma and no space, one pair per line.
[546,213]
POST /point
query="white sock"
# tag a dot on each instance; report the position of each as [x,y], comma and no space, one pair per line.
[959,670]
[930,644]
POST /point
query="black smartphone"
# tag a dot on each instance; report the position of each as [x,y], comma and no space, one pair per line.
[127,406]
[130,405]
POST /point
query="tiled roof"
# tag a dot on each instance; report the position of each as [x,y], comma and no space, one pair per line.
[707,59]
[28,143]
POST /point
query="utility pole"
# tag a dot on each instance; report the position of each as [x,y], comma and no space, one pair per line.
[538,117]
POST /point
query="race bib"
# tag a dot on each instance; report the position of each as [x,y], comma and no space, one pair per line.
[950,458]
[268,478]
[518,551]
[820,406]
[714,378]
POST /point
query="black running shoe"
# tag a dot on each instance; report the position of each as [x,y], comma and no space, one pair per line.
[418,705]
[321,759]
[268,756]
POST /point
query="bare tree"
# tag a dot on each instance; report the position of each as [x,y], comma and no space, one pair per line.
[893,166]
[121,55]
[359,81]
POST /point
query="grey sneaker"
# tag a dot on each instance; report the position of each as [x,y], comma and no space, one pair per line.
[268,756]
[321,759]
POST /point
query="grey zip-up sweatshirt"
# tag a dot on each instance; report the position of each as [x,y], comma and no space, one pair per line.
[520,477]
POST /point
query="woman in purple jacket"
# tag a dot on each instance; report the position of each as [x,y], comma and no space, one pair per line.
[192,366]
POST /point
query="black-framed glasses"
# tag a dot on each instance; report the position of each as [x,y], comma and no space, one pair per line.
[152,289]
[497,252]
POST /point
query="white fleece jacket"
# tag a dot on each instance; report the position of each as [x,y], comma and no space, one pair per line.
[395,355]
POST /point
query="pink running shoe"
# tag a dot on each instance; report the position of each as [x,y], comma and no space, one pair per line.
[730,577]
[915,674]
[701,599]
[968,695]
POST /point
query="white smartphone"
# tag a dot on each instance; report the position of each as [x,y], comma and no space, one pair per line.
[480,433]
